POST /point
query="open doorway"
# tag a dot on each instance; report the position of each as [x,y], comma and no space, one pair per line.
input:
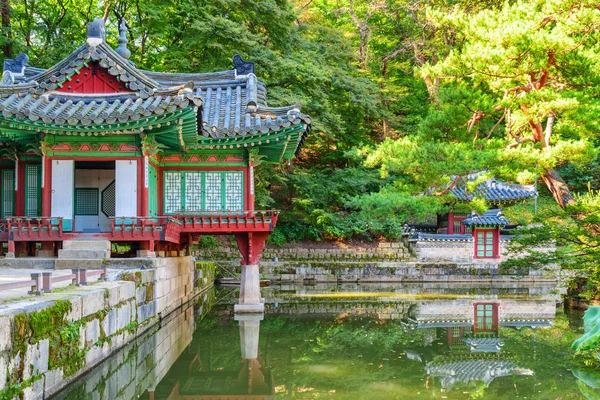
[94,195]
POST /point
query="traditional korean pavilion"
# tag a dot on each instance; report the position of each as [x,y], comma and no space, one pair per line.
[495,192]
[95,147]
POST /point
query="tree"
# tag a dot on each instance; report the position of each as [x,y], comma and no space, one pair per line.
[535,62]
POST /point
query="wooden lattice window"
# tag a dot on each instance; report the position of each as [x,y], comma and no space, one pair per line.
[193,191]
[214,191]
[32,190]
[86,201]
[486,243]
[8,193]
[234,198]
[172,192]
[203,191]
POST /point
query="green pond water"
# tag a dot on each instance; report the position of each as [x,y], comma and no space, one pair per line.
[356,342]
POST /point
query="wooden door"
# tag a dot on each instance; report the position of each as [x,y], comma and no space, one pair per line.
[62,192]
[126,188]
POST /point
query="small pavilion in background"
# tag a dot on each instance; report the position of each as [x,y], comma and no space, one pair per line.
[461,225]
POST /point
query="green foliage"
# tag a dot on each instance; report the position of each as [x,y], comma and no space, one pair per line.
[591,326]
[208,242]
[404,95]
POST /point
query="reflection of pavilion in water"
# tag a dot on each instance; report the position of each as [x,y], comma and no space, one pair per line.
[471,330]
[253,379]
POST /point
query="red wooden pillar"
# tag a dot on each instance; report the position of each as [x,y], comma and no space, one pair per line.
[19,188]
[143,174]
[451,222]
[250,186]
[46,187]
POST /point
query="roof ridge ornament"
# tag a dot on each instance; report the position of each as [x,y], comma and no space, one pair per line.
[96,32]
[122,49]
[242,67]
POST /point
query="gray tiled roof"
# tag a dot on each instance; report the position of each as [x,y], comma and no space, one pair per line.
[484,344]
[73,110]
[441,237]
[235,104]
[230,104]
[494,191]
[493,217]
[484,370]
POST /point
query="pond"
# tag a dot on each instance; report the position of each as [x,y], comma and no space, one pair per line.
[355,342]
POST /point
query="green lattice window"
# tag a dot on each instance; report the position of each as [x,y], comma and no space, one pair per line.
[172,192]
[203,191]
[33,183]
[485,317]
[234,199]
[193,191]
[86,201]
[214,191]
[485,244]
[8,193]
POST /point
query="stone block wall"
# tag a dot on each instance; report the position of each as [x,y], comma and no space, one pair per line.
[309,272]
[48,342]
[141,365]
[459,251]
[384,251]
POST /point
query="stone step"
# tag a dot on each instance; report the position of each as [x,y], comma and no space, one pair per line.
[67,263]
[75,244]
[83,254]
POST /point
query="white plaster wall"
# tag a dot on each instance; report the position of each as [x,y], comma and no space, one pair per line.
[93,178]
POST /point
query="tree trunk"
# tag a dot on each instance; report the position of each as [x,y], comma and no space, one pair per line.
[5,11]
[559,189]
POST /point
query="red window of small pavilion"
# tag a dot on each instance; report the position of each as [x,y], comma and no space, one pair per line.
[486,317]
[486,243]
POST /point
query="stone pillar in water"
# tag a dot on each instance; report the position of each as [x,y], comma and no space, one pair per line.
[250,300]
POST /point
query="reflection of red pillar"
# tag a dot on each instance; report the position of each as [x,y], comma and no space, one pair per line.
[47,187]
[144,185]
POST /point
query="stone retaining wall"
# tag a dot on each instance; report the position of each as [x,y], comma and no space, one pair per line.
[142,364]
[460,251]
[384,251]
[407,271]
[49,342]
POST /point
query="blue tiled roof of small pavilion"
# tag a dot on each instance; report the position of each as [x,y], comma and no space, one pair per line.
[493,190]
[493,217]
[454,370]
[484,344]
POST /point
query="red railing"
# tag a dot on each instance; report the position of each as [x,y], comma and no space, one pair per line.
[227,221]
[121,225]
[42,282]
[32,227]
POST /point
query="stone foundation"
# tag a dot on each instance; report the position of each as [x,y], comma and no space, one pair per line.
[409,271]
[48,343]
[384,251]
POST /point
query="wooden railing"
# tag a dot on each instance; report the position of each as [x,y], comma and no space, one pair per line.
[42,282]
[35,226]
[226,221]
[140,224]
